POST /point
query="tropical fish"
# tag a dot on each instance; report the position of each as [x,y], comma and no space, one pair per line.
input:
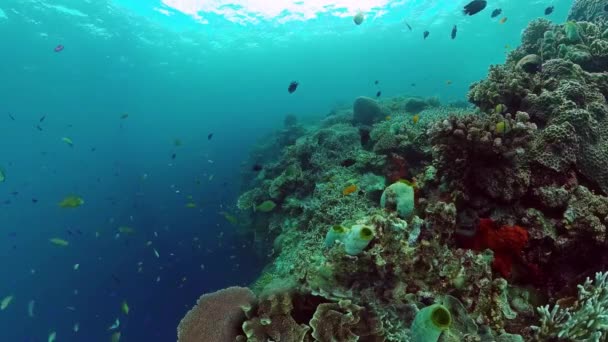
[190,205]
[349,190]
[5,302]
[59,242]
[230,218]
[292,87]
[454,31]
[68,141]
[378,93]
[210,135]
[502,127]
[156,252]
[2,176]
[425,34]
[496,12]
[125,307]
[115,337]
[388,118]
[500,108]
[30,308]
[448,82]
[76,267]
[549,10]
[71,201]
[126,230]
[124,116]
[11,116]
[52,336]
[503,20]
[76,327]
[416,118]
[408,26]
[58,48]
[474,7]
[376,82]
[177,142]
[266,206]
[358,18]
[42,118]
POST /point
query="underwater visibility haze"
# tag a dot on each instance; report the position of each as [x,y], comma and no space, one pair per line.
[311,170]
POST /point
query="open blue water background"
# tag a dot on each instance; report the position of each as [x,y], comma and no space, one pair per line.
[179,79]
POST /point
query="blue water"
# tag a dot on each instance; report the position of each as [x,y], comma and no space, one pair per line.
[177,78]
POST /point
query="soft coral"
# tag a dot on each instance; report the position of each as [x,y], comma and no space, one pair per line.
[507,243]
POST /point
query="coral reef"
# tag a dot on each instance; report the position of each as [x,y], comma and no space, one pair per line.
[388,218]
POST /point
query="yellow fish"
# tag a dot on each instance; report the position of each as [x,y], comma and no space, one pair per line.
[190,205]
[68,141]
[388,118]
[416,118]
[5,302]
[126,230]
[502,127]
[125,307]
[59,242]
[503,20]
[500,108]
[349,190]
[71,201]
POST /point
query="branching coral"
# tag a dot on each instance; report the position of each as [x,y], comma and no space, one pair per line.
[585,320]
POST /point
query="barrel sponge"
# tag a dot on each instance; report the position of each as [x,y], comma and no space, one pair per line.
[216,316]
[400,198]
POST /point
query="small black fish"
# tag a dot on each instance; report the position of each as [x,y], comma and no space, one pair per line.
[116,279]
[496,12]
[38,127]
[257,167]
[70,232]
[12,117]
[292,87]
[425,34]
[413,84]
[378,93]
[454,30]
[42,118]
[474,7]
[173,156]
[93,149]
[15,193]
[79,231]
[376,82]
[7,202]
[209,136]
[34,200]
[408,26]
[549,10]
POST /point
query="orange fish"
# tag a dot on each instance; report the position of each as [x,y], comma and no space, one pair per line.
[416,118]
[349,190]
[503,20]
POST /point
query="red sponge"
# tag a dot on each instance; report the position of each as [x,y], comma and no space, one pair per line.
[507,243]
